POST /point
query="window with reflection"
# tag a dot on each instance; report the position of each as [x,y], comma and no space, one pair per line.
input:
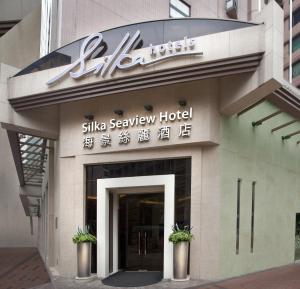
[179,9]
[181,168]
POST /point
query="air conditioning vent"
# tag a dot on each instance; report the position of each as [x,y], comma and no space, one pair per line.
[231,8]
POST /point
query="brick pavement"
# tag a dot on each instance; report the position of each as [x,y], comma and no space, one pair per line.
[22,268]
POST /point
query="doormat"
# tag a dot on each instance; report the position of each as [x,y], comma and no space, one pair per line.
[133,279]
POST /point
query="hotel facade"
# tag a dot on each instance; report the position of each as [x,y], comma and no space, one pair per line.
[149,115]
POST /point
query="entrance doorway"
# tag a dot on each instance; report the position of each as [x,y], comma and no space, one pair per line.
[108,247]
[141,231]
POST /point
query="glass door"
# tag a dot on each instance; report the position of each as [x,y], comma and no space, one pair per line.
[141,231]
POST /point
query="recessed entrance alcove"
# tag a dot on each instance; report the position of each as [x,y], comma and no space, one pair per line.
[135,211]
[144,226]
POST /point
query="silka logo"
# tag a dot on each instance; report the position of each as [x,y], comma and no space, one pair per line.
[121,59]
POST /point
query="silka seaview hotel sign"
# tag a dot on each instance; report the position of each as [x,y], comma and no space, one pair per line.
[142,125]
[121,59]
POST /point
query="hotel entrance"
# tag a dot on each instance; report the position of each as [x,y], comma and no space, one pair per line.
[141,231]
[131,207]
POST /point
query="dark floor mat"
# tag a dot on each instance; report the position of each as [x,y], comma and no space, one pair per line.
[133,279]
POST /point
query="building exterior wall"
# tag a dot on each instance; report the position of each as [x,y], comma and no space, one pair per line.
[219,156]
[14,225]
[20,46]
[16,229]
[256,154]
[291,40]
[16,9]
[88,16]
[205,190]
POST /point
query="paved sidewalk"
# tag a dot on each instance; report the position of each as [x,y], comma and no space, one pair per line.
[286,277]
[22,268]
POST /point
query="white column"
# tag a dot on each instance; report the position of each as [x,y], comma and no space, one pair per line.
[102,230]
[169,208]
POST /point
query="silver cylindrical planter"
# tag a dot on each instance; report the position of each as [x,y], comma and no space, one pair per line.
[181,253]
[84,259]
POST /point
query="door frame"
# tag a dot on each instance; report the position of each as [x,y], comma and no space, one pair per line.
[103,188]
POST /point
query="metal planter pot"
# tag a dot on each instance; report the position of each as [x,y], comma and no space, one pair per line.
[84,260]
[180,261]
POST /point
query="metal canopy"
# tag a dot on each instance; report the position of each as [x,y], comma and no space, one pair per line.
[30,155]
[33,157]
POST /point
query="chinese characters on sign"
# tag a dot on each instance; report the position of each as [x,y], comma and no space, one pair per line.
[144,135]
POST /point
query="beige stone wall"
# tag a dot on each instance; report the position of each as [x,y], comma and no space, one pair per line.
[20,46]
[205,191]
[200,96]
[88,16]
[14,224]
[204,260]
[17,9]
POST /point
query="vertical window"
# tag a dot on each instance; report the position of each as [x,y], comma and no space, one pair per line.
[179,9]
[296,43]
[46,22]
[296,17]
[296,69]
[252,216]
[237,244]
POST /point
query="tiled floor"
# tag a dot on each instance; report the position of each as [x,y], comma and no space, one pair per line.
[22,268]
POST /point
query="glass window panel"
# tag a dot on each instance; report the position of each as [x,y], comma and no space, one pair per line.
[181,7]
[296,17]
[296,43]
[296,69]
[175,14]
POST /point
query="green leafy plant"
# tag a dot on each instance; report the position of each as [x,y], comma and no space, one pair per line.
[83,235]
[181,235]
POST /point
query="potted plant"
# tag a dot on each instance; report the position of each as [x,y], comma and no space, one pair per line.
[181,239]
[84,239]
